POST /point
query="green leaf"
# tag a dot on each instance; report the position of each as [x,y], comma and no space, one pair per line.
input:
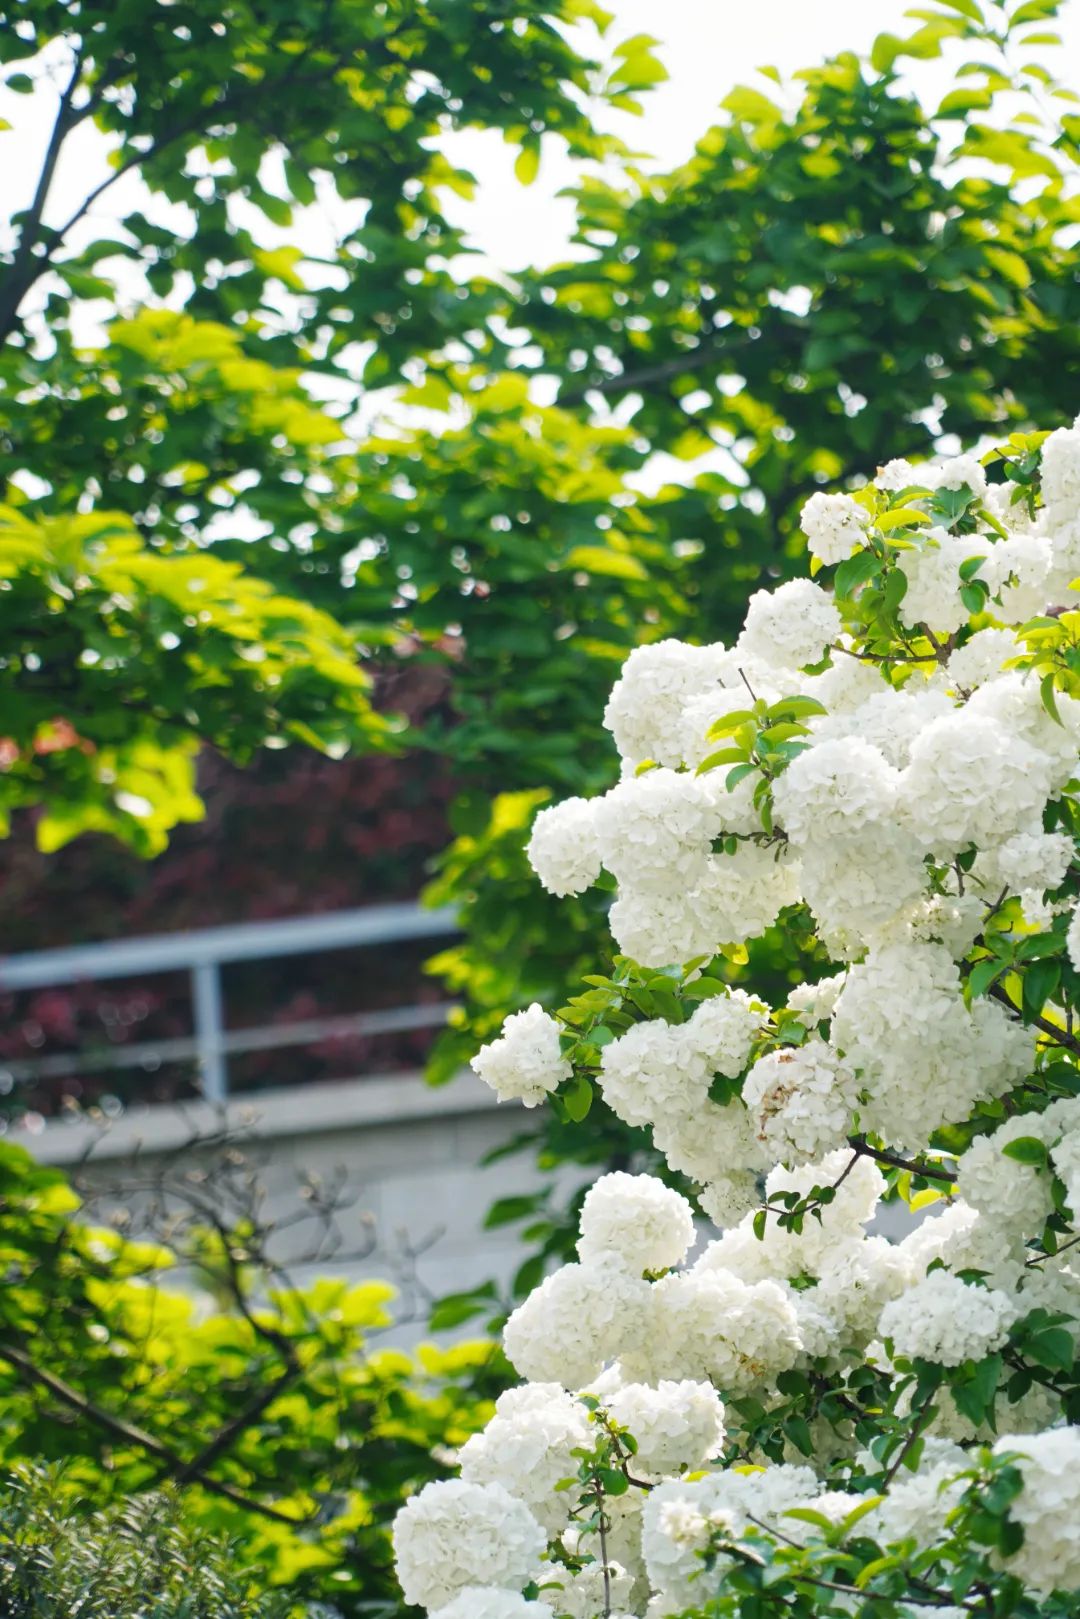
[725,756]
[727,723]
[900,517]
[895,590]
[797,1430]
[1049,701]
[527,163]
[610,564]
[577,1099]
[1034,11]
[1040,981]
[505,1210]
[857,570]
[1013,266]
[1052,1347]
[796,708]
[740,773]
[639,67]
[958,103]
[1027,1150]
[983,1383]
[966,8]
[455,1309]
[982,975]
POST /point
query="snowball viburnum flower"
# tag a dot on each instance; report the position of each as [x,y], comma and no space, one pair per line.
[453,1535]
[877,770]
[1047,1508]
[526,1062]
[835,526]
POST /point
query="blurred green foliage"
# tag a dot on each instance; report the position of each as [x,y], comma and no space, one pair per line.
[829,282]
[203,426]
[119,660]
[271,1408]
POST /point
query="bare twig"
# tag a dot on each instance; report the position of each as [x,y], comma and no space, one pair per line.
[1040,1259]
[922,1416]
[916,1166]
[1060,1037]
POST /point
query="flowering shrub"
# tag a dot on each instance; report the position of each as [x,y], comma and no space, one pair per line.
[797,1413]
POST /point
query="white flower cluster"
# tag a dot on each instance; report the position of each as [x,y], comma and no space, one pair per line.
[1060,467]
[918,1504]
[909,812]
[531,1439]
[564,849]
[491,1602]
[789,627]
[1016,1195]
[835,526]
[525,1062]
[944,1320]
[637,1220]
[676,1425]
[1047,1508]
[659,1074]
[655,1353]
[646,705]
[923,1055]
[897,783]
[680,1519]
[454,1535]
[801,1100]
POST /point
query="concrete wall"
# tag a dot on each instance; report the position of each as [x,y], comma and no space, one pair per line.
[410,1152]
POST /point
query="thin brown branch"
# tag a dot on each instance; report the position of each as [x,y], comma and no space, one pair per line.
[602,1522]
[22,273]
[711,345]
[120,1428]
[917,1166]
[1060,1037]
[226,1436]
[1040,1259]
[938,1600]
[922,1416]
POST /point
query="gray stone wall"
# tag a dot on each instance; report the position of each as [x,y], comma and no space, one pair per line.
[410,1153]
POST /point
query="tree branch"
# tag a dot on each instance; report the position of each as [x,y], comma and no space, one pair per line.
[120,1428]
[22,272]
[712,343]
[26,270]
[1060,1037]
[932,1600]
[922,1417]
[917,1166]
[1040,1259]
[265,1397]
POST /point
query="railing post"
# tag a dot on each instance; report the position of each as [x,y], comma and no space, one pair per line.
[209,1029]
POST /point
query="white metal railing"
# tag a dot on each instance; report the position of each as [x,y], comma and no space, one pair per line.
[202,952]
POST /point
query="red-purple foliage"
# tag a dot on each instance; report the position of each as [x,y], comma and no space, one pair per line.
[294,834]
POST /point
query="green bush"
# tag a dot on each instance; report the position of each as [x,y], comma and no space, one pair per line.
[138,1560]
